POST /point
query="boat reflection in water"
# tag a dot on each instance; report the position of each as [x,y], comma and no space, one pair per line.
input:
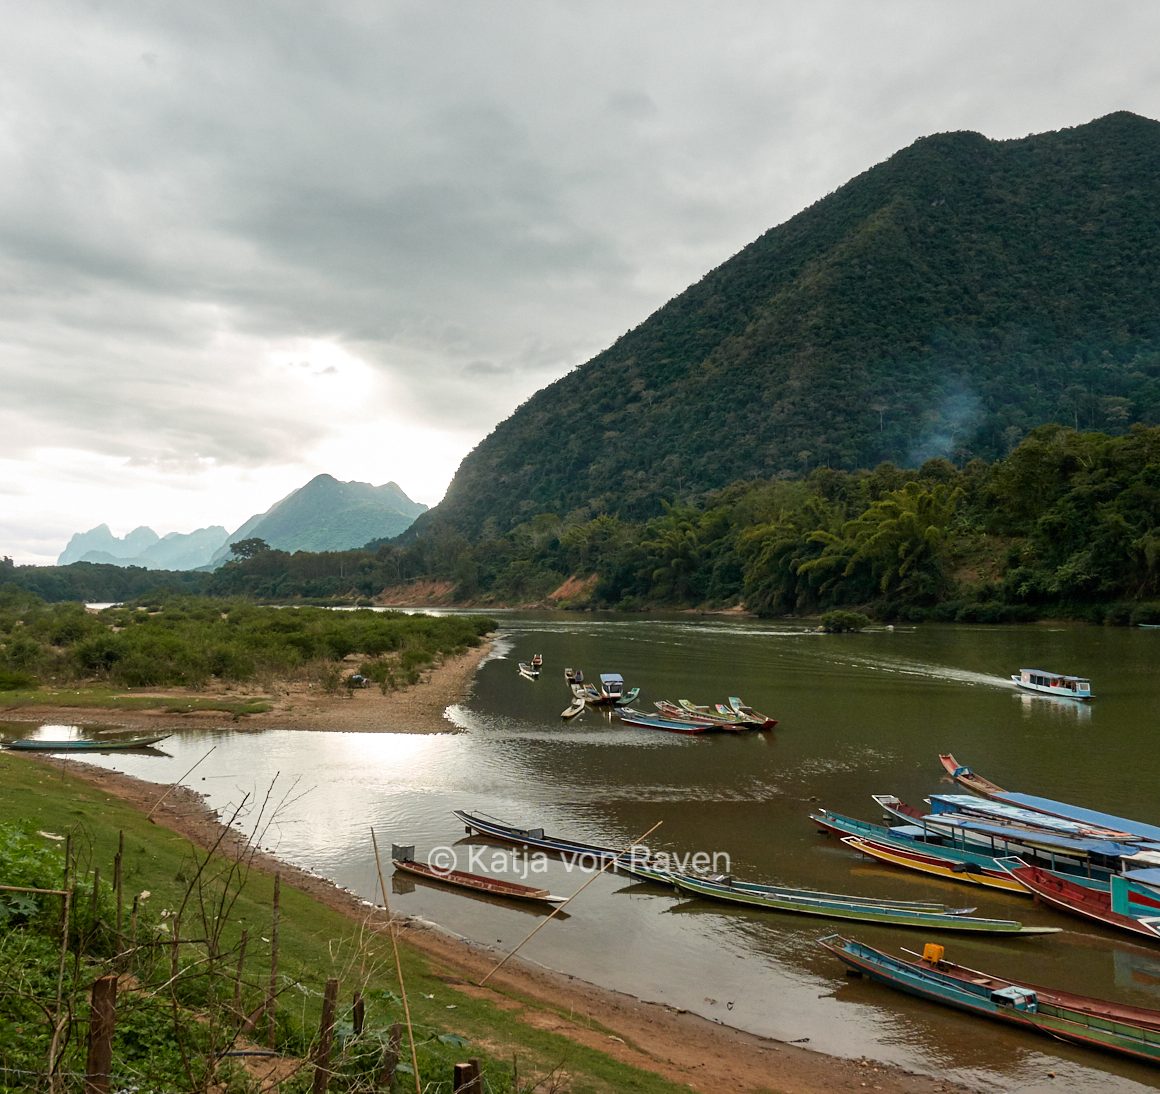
[1065,710]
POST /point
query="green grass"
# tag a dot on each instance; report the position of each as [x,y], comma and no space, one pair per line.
[316,942]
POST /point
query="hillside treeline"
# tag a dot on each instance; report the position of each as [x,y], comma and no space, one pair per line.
[1068,524]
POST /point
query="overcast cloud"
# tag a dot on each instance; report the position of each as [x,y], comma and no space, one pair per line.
[245,243]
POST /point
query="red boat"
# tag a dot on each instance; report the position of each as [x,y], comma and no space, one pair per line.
[1127,905]
[479,883]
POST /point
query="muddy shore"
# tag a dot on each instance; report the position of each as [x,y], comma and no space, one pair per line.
[683,1047]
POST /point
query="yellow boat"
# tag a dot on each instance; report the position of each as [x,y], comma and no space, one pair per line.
[952,871]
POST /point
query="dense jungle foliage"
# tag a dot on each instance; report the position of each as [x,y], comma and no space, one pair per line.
[942,304]
[190,641]
[1067,525]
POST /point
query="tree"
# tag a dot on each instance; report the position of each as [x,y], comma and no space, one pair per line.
[248,548]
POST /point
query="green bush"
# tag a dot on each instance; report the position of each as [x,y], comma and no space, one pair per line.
[843,622]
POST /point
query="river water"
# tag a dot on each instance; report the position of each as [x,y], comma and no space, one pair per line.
[859,714]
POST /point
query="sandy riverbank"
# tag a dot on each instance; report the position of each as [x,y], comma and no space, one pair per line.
[418,709]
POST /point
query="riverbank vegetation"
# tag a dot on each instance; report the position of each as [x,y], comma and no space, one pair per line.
[221,974]
[1067,525]
[190,642]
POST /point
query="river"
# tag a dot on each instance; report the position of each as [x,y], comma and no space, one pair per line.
[859,714]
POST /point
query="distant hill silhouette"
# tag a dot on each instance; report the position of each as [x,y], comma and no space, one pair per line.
[943,303]
[143,547]
[323,515]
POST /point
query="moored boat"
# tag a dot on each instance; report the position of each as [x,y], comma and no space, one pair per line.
[1129,1031]
[843,906]
[86,744]
[1053,683]
[569,850]
[1125,827]
[641,720]
[1131,902]
[577,707]
[748,714]
[403,859]
[528,670]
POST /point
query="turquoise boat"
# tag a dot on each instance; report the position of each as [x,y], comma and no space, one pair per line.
[1080,1019]
[84,744]
[843,906]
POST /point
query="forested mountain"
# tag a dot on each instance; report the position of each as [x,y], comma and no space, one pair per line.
[943,303]
[328,515]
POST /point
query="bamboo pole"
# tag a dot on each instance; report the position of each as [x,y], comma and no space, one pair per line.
[560,907]
[398,965]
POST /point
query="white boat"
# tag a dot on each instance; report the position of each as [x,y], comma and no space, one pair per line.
[1053,683]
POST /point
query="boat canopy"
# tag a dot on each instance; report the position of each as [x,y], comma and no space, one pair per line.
[1150,877]
[1084,816]
[611,678]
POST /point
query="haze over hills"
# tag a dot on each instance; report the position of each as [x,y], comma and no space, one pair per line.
[943,303]
[323,515]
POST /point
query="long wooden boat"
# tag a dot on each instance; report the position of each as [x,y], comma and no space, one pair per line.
[999,837]
[528,670]
[1128,1031]
[683,710]
[948,869]
[535,837]
[965,776]
[577,707]
[966,864]
[1053,683]
[479,883]
[1131,902]
[855,908]
[110,744]
[638,718]
[754,717]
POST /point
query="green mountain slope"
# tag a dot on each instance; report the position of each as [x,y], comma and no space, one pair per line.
[941,304]
[328,515]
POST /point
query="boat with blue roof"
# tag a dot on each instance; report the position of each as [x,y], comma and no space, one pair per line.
[1054,683]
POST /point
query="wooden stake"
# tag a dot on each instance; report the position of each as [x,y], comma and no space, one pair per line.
[101,1025]
[560,907]
[358,1013]
[238,973]
[325,1038]
[272,996]
[118,860]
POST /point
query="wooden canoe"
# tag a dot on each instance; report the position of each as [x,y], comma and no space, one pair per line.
[111,744]
[855,908]
[1097,1023]
[478,883]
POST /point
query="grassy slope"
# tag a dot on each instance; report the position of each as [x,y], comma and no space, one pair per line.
[316,941]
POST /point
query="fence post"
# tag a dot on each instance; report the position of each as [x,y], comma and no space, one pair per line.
[358,1013]
[386,1074]
[272,998]
[103,1020]
[467,1078]
[325,1038]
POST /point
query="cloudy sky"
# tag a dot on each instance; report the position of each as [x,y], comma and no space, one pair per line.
[249,241]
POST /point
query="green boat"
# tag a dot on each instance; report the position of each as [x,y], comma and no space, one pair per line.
[84,744]
[855,908]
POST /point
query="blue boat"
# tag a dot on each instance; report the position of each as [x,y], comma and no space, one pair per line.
[987,789]
[638,718]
